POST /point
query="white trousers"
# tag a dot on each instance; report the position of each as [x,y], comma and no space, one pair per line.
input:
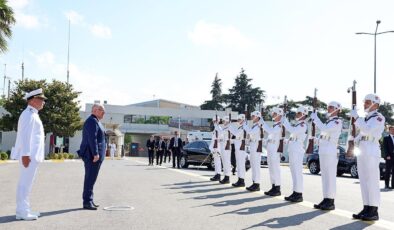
[296,166]
[226,160]
[255,163]
[369,176]
[328,167]
[26,179]
[273,160]
[240,157]
[112,154]
[218,164]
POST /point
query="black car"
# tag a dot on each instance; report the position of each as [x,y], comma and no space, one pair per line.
[345,165]
[198,153]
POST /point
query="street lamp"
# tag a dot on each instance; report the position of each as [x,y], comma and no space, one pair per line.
[375,34]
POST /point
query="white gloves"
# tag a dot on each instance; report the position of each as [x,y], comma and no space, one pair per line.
[353,113]
[314,116]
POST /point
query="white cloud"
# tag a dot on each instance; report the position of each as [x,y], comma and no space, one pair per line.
[45,59]
[212,34]
[75,17]
[18,4]
[101,31]
[27,21]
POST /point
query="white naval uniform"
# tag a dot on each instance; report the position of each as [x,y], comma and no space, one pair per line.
[273,157]
[112,150]
[296,151]
[215,151]
[371,129]
[328,156]
[29,142]
[255,157]
[225,154]
[240,155]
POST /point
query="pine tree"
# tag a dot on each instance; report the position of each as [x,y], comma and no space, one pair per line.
[217,99]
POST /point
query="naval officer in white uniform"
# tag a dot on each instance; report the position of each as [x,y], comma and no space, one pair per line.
[29,150]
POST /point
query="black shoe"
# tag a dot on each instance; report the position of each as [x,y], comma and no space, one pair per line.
[297,198]
[89,207]
[95,205]
[239,183]
[215,178]
[371,215]
[268,193]
[276,191]
[288,198]
[254,187]
[386,187]
[226,180]
[318,206]
[362,213]
[328,206]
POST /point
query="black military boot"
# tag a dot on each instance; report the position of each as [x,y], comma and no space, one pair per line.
[288,198]
[318,206]
[226,180]
[276,191]
[329,205]
[269,191]
[239,183]
[297,198]
[254,188]
[216,178]
[372,214]
[362,213]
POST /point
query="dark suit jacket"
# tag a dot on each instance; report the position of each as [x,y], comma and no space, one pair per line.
[162,146]
[93,139]
[179,143]
[150,144]
[388,146]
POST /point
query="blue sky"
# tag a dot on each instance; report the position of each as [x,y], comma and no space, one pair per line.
[132,51]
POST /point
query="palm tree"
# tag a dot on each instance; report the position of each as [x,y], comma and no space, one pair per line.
[6,20]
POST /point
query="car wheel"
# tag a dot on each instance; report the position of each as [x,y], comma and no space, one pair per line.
[211,164]
[314,167]
[183,162]
[353,171]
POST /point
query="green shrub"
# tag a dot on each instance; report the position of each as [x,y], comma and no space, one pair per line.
[3,156]
[71,156]
[65,156]
[56,156]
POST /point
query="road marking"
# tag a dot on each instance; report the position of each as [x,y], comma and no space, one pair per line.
[338,212]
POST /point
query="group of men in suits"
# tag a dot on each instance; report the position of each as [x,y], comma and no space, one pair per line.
[165,148]
[388,148]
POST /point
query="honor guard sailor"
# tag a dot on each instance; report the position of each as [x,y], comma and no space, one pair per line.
[215,148]
[296,151]
[328,153]
[371,129]
[240,154]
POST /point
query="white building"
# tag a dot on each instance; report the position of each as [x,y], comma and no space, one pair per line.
[139,121]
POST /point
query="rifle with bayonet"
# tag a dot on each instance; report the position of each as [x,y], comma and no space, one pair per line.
[280,148]
[350,149]
[215,143]
[311,143]
[260,143]
[242,148]
[228,143]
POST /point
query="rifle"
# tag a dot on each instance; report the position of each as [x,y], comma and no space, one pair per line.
[228,144]
[215,143]
[242,148]
[350,149]
[280,148]
[260,145]
[313,134]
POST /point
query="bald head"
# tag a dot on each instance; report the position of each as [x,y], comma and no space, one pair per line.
[98,110]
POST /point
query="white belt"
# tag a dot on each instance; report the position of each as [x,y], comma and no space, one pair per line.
[325,137]
[271,141]
[221,140]
[369,138]
[239,138]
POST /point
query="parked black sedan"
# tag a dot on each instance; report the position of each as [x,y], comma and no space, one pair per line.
[198,153]
[345,165]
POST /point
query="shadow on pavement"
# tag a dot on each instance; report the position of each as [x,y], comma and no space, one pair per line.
[187,183]
[8,219]
[288,221]
[206,190]
[255,210]
[353,225]
[194,186]
[216,196]
[235,202]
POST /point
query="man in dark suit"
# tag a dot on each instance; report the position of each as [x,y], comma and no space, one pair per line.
[92,152]
[167,151]
[160,147]
[176,146]
[150,145]
[388,145]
